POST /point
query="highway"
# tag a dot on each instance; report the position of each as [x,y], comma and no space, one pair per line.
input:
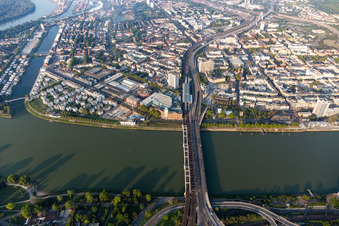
[198,209]
[162,213]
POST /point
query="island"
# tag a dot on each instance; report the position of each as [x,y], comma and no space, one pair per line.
[5,111]
[13,9]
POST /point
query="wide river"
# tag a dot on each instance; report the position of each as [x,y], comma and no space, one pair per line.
[61,156]
[42,8]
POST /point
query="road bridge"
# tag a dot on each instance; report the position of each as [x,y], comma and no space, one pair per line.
[41,54]
[202,115]
[198,209]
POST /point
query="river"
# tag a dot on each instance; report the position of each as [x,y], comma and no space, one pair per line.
[61,156]
[275,163]
[42,8]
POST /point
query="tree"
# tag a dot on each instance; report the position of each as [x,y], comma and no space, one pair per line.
[124,207]
[232,116]
[155,113]
[104,196]
[13,179]
[209,114]
[143,108]
[305,198]
[95,209]
[148,214]
[71,63]
[166,217]
[24,180]
[60,198]
[126,192]
[120,217]
[89,197]
[69,204]
[70,193]
[295,124]
[78,217]
[10,206]
[137,193]
[55,207]
[335,203]
[222,114]
[85,59]
[148,197]
[37,208]
[117,200]
[27,210]
[142,207]
[85,111]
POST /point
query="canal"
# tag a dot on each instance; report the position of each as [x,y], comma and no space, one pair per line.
[61,156]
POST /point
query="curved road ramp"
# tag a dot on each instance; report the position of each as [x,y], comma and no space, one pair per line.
[265,213]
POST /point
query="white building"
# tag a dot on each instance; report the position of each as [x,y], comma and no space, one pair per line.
[321,107]
[173,80]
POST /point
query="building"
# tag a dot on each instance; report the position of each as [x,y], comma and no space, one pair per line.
[237,62]
[321,107]
[173,80]
[206,66]
[170,115]
[158,100]
[132,101]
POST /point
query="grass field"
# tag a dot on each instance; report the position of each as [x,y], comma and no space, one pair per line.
[12,194]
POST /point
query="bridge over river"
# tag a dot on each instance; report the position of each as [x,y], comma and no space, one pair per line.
[198,209]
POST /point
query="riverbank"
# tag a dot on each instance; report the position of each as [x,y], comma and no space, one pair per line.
[16,10]
[270,130]
[40,115]
[8,116]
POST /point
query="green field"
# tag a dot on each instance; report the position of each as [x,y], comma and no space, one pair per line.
[12,194]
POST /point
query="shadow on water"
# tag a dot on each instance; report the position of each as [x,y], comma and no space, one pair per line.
[55,166]
[150,180]
[83,181]
[168,179]
[5,147]
[125,179]
[118,182]
[15,167]
[212,173]
[286,189]
[44,164]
